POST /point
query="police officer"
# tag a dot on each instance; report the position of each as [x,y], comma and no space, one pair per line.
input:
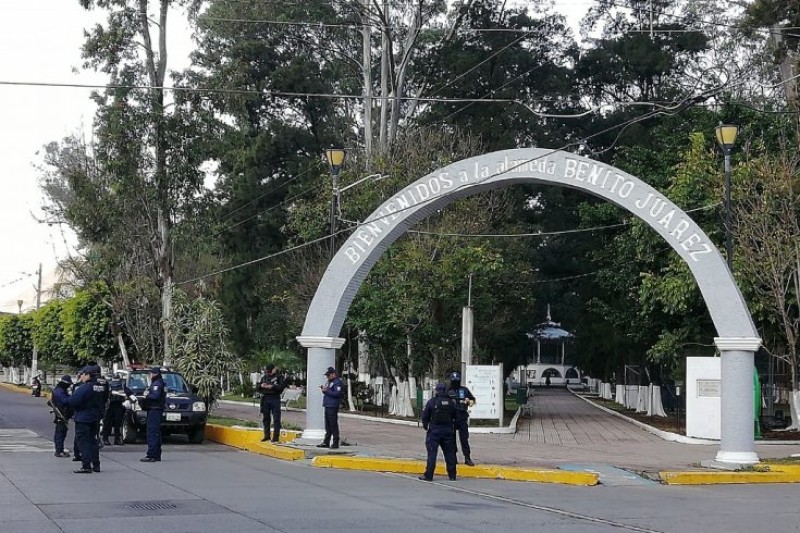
[464,399]
[154,401]
[271,387]
[103,382]
[438,419]
[331,400]
[87,402]
[76,449]
[62,413]
[36,387]
[115,411]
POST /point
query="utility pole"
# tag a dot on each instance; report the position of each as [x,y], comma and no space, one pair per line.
[466,331]
[35,356]
[384,76]
[367,71]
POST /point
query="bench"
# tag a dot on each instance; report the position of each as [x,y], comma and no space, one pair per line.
[290,395]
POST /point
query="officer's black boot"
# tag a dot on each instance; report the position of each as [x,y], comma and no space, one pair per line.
[468,461]
[335,445]
[323,444]
[266,437]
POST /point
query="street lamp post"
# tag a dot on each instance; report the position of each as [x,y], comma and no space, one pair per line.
[335,158]
[726,137]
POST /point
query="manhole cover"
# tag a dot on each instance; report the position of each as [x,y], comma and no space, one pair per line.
[152,506]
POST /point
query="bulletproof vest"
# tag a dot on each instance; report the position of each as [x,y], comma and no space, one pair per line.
[116,386]
[459,396]
[442,410]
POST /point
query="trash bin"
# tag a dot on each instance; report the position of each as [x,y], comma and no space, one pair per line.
[522,396]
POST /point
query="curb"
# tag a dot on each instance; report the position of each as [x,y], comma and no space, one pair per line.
[250,440]
[412,466]
[676,437]
[24,390]
[719,478]
[665,435]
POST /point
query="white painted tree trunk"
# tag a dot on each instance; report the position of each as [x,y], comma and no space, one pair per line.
[393,400]
[363,359]
[794,409]
[350,404]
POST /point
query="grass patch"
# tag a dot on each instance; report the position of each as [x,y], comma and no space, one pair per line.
[227,421]
[783,461]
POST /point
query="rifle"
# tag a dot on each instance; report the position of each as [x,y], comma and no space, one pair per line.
[55,410]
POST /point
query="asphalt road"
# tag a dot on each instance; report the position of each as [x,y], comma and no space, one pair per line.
[212,488]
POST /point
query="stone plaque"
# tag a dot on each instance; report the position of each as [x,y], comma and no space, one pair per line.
[708,388]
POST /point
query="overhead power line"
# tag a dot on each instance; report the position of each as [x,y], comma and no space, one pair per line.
[684,104]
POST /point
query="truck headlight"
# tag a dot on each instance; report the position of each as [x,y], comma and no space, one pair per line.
[199,406]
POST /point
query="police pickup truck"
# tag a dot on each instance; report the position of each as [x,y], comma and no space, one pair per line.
[184,412]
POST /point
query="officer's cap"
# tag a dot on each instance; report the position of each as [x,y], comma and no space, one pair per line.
[330,370]
[270,367]
[440,387]
[66,379]
[155,370]
[455,376]
[88,369]
[96,370]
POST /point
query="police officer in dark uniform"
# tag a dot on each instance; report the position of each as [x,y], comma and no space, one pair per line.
[154,401]
[464,399]
[103,382]
[62,413]
[438,419]
[331,400]
[87,402]
[271,387]
[76,450]
[115,411]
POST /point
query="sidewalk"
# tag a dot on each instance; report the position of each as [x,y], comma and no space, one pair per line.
[566,432]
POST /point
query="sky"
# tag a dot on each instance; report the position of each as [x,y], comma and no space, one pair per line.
[40,41]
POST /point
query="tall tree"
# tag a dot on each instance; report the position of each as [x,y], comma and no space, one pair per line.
[143,147]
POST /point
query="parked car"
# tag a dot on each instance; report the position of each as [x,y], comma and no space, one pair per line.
[184,412]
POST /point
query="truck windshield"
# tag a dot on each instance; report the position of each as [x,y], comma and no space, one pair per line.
[138,382]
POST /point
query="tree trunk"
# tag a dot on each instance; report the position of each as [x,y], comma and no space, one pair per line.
[384,126]
[366,67]
[123,350]
[363,359]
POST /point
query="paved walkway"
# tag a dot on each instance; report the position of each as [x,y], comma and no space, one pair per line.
[565,431]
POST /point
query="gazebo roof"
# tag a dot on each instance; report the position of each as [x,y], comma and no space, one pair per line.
[550,331]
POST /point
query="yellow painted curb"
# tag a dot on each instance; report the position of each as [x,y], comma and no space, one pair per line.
[15,388]
[739,477]
[24,390]
[411,466]
[250,440]
[776,467]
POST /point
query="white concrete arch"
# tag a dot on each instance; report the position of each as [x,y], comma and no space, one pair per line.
[737,335]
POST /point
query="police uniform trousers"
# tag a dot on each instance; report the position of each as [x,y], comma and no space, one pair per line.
[271,408]
[112,423]
[154,433]
[60,435]
[440,436]
[76,449]
[462,428]
[332,424]
[85,434]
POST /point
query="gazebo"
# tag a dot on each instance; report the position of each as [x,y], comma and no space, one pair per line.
[549,357]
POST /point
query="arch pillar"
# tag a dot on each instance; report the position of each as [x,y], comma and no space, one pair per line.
[321,355]
[737,444]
